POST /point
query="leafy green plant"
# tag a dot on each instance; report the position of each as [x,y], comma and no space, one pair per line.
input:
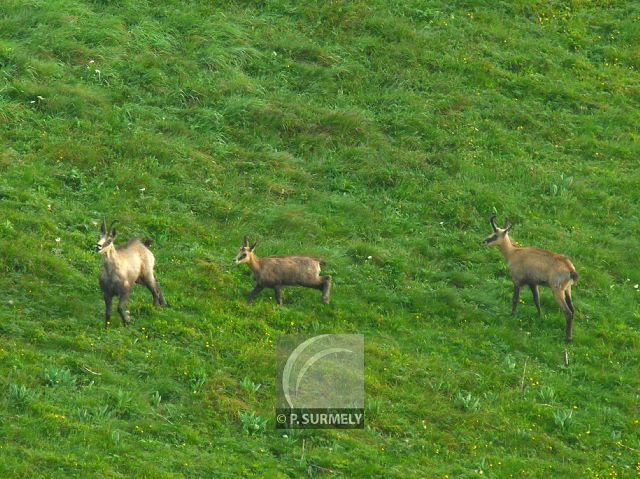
[563,418]
[466,402]
[252,424]
[249,386]
[547,394]
[561,188]
[62,377]
[20,394]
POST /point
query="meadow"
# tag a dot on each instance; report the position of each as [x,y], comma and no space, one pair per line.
[378,135]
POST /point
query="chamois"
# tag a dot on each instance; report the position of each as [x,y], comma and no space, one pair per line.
[122,267]
[279,271]
[535,267]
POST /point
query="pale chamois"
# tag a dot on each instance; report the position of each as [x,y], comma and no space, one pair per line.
[122,268]
[279,271]
[535,267]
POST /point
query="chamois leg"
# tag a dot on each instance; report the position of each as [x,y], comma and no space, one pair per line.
[568,314]
[124,296]
[163,302]
[154,286]
[326,289]
[536,298]
[514,301]
[254,292]
[567,298]
[150,283]
[108,300]
[278,291]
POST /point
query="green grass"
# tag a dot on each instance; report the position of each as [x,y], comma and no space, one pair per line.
[377,135]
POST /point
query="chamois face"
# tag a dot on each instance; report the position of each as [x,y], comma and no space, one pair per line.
[106,238]
[245,252]
[499,234]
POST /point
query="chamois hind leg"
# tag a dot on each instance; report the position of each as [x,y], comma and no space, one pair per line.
[515,299]
[567,298]
[254,292]
[154,287]
[536,298]
[124,296]
[278,292]
[326,289]
[559,294]
[108,300]
[150,282]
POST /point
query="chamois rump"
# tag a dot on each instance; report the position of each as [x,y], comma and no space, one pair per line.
[535,267]
[122,268]
[279,271]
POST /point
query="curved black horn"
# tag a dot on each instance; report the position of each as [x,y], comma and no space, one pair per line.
[253,246]
[492,220]
[111,225]
[245,243]
[103,228]
[507,225]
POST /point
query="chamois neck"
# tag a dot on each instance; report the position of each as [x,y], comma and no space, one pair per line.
[506,247]
[109,254]
[253,262]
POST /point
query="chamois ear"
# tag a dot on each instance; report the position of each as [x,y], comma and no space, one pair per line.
[103,227]
[113,233]
[112,229]
[507,226]
[245,243]
[253,246]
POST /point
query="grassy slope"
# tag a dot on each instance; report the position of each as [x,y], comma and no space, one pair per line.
[342,129]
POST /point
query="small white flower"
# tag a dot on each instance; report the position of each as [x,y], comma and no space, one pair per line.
[58,240]
[636,286]
[369,257]
[143,189]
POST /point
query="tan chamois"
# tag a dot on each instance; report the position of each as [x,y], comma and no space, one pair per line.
[123,267]
[535,267]
[279,271]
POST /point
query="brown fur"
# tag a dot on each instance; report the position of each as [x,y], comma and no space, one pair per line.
[535,267]
[279,271]
[122,268]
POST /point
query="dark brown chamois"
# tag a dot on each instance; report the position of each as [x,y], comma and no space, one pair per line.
[123,267]
[535,267]
[279,271]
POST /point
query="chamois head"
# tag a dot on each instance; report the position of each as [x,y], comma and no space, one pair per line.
[499,234]
[107,236]
[245,251]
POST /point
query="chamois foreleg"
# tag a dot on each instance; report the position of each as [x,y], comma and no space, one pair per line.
[124,314]
[254,292]
[108,300]
[278,293]
[559,294]
[515,299]
[536,298]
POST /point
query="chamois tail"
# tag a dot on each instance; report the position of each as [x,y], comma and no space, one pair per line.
[147,242]
[574,276]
